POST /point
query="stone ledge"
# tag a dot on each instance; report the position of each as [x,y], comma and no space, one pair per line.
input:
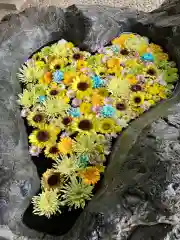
[11,4]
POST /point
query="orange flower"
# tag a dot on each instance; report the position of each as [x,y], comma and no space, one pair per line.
[113,62]
[131,79]
[65,145]
[69,77]
[90,175]
[47,78]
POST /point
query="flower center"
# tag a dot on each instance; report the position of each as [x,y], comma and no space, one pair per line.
[82,86]
[66,120]
[43,136]
[38,118]
[137,99]
[77,56]
[57,67]
[136,88]
[151,72]
[53,180]
[53,92]
[120,106]
[85,125]
[124,52]
[106,126]
[54,150]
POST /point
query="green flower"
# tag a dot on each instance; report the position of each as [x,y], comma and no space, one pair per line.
[27,98]
[47,203]
[66,165]
[45,51]
[29,73]
[76,193]
[55,106]
[170,75]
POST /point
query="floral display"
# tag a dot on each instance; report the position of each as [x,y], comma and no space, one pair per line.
[75,103]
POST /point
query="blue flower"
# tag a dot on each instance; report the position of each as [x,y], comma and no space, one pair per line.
[107,111]
[147,57]
[83,160]
[115,48]
[58,76]
[74,112]
[42,99]
[97,81]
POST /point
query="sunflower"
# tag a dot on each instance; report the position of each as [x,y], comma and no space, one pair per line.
[51,179]
[52,151]
[36,119]
[83,125]
[47,203]
[107,126]
[44,136]
[83,86]
[151,71]
[56,64]
[85,108]
[81,64]
[137,99]
[90,175]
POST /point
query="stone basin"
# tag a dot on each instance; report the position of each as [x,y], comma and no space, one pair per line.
[139,195]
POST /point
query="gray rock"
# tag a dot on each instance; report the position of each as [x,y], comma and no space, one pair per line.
[142,181]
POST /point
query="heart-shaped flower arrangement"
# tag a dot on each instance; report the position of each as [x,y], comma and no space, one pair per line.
[75,103]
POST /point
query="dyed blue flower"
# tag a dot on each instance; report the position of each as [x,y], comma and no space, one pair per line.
[58,76]
[147,57]
[97,81]
[74,112]
[107,111]
[115,48]
[83,160]
[42,99]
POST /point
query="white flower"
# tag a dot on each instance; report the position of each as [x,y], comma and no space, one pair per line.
[62,41]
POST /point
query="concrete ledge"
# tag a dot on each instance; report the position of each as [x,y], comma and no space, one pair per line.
[11,4]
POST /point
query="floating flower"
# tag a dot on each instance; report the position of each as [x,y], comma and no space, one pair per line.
[113,62]
[74,112]
[56,106]
[81,64]
[65,145]
[97,81]
[42,99]
[76,102]
[44,136]
[82,86]
[86,108]
[52,151]
[118,87]
[122,38]
[97,99]
[107,125]
[27,99]
[69,77]
[83,125]
[147,57]
[46,79]
[137,99]
[36,119]
[58,76]
[35,151]
[107,111]
[46,203]
[76,193]
[66,165]
[90,175]
[83,161]
[56,64]
[24,112]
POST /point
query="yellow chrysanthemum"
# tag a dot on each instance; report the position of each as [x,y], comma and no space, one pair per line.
[69,78]
[82,86]
[52,151]
[65,145]
[90,175]
[44,136]
[119,87]
[97,100]
[51,180]
[121,39]
[36,119]
[107,125]
[85,125]
[137,99]
[113,62]
[86,108]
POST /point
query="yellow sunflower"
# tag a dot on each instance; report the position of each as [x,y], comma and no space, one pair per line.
[90,175]
[36,119]
[107,125]
[81,64]
[151,71]
[51,180]
[52,151]
[85,125]
[65,145]
[57,64]
[82,86]
[137,99]
[45,136]
[86,108]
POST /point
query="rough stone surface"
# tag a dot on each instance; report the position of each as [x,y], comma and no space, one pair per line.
[139,197]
